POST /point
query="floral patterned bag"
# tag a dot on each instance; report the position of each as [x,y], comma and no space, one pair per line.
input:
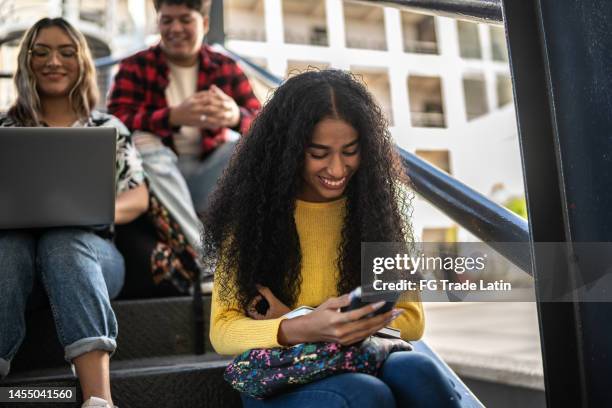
[262,373]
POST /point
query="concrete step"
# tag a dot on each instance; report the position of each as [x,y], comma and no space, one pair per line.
[147,328]
[493,347]
[170,382]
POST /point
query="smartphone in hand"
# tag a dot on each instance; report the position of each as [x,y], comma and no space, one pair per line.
[357,302]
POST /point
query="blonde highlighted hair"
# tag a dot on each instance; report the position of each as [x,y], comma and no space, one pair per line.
[83,96]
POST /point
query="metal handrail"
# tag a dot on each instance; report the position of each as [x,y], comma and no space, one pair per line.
[265,76]
[478,11]
[110,60]
[484,218]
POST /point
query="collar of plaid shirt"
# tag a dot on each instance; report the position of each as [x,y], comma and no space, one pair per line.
[205,68]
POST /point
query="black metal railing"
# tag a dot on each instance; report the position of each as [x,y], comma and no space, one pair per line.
[484,218]
[478,11]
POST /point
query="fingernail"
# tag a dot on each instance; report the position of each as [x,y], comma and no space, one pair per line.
[396,313]
[378,305]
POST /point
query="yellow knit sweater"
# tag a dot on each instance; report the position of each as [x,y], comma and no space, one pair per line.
[319,228]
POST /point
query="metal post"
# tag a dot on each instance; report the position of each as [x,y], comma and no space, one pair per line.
[110,24]
[560,61]
[216,33]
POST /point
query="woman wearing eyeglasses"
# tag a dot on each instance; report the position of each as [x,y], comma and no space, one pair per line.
[79,270]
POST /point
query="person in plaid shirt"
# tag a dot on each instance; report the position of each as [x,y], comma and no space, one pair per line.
[186,104]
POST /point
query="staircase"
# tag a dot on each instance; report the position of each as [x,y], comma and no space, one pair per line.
[155,364]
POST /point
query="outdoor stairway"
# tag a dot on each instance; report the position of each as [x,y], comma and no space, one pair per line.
[155,364]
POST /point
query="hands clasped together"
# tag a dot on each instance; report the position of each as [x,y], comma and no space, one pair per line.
[211,109]
[326,323]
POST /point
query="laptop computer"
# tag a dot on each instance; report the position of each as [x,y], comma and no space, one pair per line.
[57,177]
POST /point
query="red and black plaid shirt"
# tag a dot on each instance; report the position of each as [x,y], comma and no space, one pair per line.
[138,96]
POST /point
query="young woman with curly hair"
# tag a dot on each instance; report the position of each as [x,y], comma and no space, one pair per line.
[316,176]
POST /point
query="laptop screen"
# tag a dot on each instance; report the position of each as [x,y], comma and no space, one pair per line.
[57,177]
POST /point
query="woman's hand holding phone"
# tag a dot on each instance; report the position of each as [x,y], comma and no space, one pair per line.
[327,323]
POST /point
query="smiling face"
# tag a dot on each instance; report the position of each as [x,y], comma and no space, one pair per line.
[54,62]
[331,159]
[182,31]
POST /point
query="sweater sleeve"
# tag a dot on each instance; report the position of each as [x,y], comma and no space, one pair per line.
[232,332]
[411,323]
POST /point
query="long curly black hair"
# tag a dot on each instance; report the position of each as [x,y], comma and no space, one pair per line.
[249,229]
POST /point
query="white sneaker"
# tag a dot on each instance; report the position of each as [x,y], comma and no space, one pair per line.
[95,402]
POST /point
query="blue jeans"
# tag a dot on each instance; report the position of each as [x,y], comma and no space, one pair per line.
[407,379]
[79,271]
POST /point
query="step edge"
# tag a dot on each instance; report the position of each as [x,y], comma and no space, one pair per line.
[129,372]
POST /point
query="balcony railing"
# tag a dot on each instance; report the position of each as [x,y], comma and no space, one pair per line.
[421,47]
[427,119]
[245,34]
[366,43]
[315,37]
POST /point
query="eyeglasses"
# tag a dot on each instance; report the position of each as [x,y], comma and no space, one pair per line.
[42,53]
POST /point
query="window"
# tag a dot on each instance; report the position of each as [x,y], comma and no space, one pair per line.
[365,26]
[425,95]
[504,90]
[297,67]
[469,41]
[305,22]
[474,91]
[499,52]
[419,33]
[377,82]
[244,20]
